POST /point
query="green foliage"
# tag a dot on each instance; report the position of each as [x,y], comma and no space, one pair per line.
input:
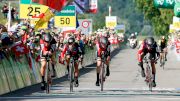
[159,18]
[124,10]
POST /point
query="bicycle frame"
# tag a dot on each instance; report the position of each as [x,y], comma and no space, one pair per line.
[48,75]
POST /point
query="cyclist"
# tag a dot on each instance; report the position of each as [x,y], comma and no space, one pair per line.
[148,46]
[72,48]
[163,47]
[46,49]
[103,46]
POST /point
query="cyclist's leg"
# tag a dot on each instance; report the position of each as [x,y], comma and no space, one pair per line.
[165,53]
[82,57]
[43,69]
[98,69]
[153,72]
[53,65]
[76,64]
[67,61]
[141,64]
[76,73]
[107,63]
[161,56]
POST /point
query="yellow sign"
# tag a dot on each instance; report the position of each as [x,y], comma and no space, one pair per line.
[27,10]
[111,24]
[111,21]
[65,21]
[43,26]
[172,31]
[176,24]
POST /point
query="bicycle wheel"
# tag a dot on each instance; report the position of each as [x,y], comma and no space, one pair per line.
[150,80]
[102,76]
[71,75]
[48,78]
[149,77]
[150,86]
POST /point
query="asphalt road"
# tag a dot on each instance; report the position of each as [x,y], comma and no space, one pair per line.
[124,84]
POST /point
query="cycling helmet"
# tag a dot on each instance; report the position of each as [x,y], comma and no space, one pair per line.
[150,42]
[132,34]
[163,37]
[103,42]
[71,40]
[47,37]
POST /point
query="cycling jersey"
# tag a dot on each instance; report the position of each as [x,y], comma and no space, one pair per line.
[143,50]
[44,48]
[106,49]
[163,44]
[72,50]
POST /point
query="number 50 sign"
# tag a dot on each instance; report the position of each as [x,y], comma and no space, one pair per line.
[66,18]
[65,21]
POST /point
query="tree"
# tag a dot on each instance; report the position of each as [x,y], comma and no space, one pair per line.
[159,18]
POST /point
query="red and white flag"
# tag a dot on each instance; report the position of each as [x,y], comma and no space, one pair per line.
[20,49]
[93,6]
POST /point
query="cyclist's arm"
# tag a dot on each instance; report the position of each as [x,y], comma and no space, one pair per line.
[98,48]
[157,50]
[64,51]
[140,52]
[109,49]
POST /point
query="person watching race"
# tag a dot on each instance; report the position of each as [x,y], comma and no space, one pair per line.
[148,45]
[103,46]
[72,49]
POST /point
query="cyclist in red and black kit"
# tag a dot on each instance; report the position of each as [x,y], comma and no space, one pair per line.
[72,49]
[103,46]
[149,45]
[47,49]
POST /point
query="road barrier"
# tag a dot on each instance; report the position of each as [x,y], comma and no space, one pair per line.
[15,75]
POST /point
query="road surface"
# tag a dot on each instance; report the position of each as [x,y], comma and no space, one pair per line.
[124,84]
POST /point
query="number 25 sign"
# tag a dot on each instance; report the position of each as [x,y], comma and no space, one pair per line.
[28,11]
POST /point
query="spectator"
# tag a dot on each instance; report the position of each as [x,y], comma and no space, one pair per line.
[13,12]
[5,10]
